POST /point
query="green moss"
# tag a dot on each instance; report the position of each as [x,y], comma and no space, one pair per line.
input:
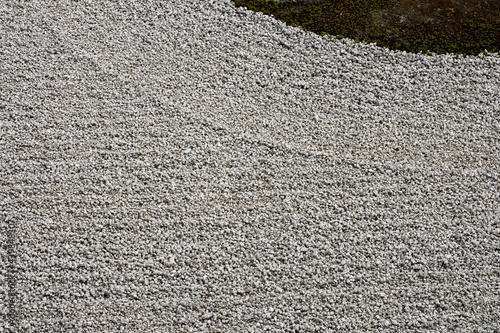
[390,24]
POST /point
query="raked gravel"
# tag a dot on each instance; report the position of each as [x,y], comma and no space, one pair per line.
[189,166]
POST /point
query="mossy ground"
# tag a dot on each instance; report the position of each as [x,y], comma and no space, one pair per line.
[468,27]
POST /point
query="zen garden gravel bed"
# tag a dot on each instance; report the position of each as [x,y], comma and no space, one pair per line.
[189,166]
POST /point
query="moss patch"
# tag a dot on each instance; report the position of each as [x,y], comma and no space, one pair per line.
[467,27]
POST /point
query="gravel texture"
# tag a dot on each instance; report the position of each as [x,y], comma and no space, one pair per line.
[186,166]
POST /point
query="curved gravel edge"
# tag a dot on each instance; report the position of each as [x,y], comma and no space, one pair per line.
[189,166]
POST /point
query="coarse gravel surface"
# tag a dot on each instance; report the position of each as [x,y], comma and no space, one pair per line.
[186,166]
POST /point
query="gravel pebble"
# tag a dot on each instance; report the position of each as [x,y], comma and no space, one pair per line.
[187,166]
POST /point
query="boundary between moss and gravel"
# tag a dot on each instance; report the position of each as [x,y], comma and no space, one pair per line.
[441,26]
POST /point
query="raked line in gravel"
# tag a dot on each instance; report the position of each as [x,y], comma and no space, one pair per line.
[186,166]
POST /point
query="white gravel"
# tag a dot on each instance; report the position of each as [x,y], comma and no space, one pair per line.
[186,166]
